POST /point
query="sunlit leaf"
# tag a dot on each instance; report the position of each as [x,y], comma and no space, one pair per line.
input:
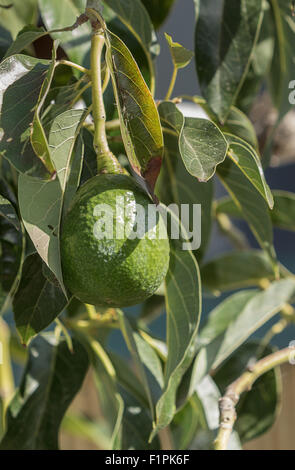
[140,123]
[21,79]
[180,55]
[201,144]
[39,140]
[42,215]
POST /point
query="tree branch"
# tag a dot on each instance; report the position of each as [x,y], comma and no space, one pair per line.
[227,404]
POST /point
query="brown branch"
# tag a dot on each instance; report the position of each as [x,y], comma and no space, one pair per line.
[227,404]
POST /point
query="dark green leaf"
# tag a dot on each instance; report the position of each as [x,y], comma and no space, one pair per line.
[158,11]
[249,202]
[181,56]
[283,213]
[21,80]
[226,34]
[140,123]
[283,65]
[76,43]
[260,63]
[201,144]
[12,244]
[5,41]
[37,302]
[42,215]
[183,305]
[258,408]
[237,270]
[52,378]
[245,157]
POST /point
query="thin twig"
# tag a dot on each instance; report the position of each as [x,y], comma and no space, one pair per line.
[227,404]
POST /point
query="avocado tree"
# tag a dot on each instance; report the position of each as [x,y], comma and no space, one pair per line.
[101,192]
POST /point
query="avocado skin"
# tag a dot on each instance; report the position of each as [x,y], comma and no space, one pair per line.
[110,272]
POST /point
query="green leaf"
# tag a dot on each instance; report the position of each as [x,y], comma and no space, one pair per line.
[202,147]
[177,186]
[245,157]
[21,14]
[181,56]
[123,402]
[283,214]
[146,361]
[38,137]
[237,123]
[258,408]
[249,202]
[283,65]
[37,302]
[158,11]
[12,245]
[260,63]
[42,215]
[226,34]
[201,144]
[25,37]
[52,378]
[183,306]
[237,270]
[57,16]
[139,118]
[235,320]
[21,79]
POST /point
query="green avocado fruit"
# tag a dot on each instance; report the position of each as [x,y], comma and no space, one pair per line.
[104,262]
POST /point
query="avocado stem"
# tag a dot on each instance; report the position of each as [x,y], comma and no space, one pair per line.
[106,161]
[100,138]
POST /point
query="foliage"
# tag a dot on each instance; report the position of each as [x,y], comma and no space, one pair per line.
[46,153]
